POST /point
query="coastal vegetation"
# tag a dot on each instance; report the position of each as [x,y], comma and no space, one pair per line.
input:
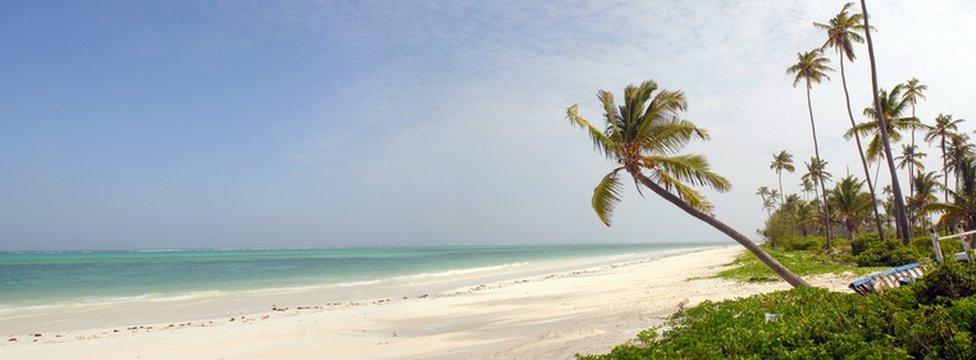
[933,318]
[842,226]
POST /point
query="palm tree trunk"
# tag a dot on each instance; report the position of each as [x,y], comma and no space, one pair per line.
[850,229]
[860,151]
[911,165]
[781,193]
[945,172]
[816,152]
[778,268]
[901,220]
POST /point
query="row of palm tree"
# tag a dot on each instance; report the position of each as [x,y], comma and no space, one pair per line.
[644,137]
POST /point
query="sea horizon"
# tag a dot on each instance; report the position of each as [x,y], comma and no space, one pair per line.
[79,277]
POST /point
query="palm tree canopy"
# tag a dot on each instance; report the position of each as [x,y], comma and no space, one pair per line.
[643,136]
[816,170]
[892,106]
[915,91]
[843,31]
[910,156]
[945,127]
[782,161]
[811,67]
[927,184]
[848,201]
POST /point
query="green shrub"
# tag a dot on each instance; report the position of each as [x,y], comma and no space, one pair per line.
[934,318]
[795,242]
[870,250]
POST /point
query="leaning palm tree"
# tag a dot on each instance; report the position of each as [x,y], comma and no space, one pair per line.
[914,91]
[850,204]
[901,218]
[782,161]
[944,130]
[811,68]
[643,137]
[843,31]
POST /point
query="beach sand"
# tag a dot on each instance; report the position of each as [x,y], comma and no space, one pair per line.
[520,314]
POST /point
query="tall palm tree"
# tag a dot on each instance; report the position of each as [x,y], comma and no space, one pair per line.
[842,32]
[911,159]
[811,68]
[850,204]
[914,91]
[945,129]
[782,161]
[644,137]
[901,218]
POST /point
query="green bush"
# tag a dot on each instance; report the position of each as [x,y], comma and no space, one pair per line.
[795,242]
[934,318]
[870,250]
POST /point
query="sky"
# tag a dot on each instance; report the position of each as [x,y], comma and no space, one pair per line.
[161,124]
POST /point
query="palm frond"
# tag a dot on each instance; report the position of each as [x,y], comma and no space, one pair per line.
[601,142]
[606,196]
[688,168]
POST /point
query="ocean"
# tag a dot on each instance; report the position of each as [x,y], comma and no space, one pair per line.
[29,279]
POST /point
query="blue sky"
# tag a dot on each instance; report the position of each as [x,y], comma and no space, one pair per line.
[238,124]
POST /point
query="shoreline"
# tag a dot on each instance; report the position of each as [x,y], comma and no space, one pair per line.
[196,305]
[581,308]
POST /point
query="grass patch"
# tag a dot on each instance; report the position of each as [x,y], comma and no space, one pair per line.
[747,267]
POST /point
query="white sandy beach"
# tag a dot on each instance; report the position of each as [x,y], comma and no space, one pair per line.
[520,314]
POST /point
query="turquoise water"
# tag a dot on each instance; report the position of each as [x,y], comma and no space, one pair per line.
[39,278]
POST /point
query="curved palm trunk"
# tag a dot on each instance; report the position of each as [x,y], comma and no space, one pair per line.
[778,268]
[860,151]
[901,221]
[816,152]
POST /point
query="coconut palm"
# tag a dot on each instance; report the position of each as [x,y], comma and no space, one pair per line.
[944,130]
[850,204]
[843,30]
[807,187]
[914,92]
[901,218]
[962,209]
[892,107]
[811,68]
[768,199]
[959,150]
[927,185]
[643,137]
[782,161]
[911,159]
[817,174]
